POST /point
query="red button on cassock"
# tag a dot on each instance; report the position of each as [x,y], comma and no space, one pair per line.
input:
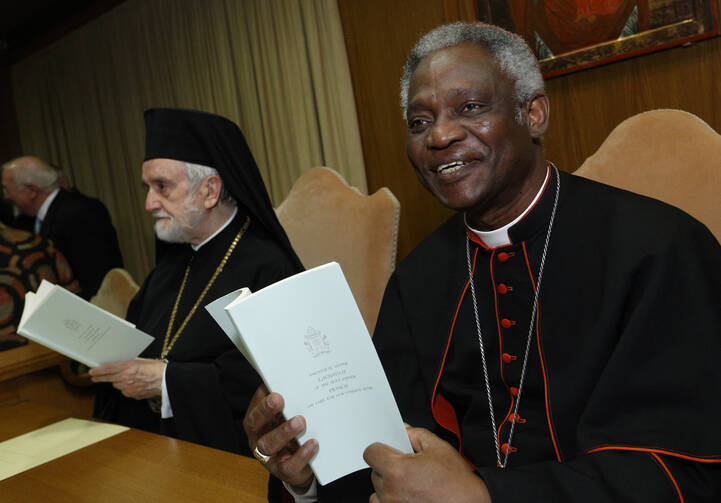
[514,391]
[508,358]
[504,448]
[502,289]
[519,419]
[503,256]
[506,323]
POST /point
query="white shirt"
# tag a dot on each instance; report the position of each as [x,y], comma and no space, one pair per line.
[309,496]
[43,210]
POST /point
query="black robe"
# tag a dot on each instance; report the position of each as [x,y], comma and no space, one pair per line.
[623,382]
[209,382]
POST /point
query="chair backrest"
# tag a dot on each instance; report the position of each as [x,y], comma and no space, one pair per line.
[669,155]
[115,292]
[326,220]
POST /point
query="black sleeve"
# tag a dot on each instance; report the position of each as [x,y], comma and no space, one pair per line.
[607,477]
[209,399]
[397,352]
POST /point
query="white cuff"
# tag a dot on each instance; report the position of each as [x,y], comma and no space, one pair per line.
[310,496]
[166,411]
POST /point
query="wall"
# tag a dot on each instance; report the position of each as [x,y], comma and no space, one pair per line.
[585,105]
[9,135]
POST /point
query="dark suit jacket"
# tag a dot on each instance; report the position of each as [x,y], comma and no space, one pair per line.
[82,230]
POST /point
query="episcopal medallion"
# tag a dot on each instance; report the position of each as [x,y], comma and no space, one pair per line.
[316,342]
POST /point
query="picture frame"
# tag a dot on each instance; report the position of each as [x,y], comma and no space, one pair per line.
[571,35]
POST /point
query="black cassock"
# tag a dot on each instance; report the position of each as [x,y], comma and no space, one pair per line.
[623,383]
[209,381]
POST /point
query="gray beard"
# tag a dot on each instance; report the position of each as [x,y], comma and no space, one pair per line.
[172,232]
[178,230]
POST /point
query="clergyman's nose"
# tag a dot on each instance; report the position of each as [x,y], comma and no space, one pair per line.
[444,132]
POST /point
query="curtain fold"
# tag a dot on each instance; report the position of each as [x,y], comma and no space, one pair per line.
[276,67]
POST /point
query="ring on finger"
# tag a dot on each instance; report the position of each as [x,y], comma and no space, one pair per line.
[262,458]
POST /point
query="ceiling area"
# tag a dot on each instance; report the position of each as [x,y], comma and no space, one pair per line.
[29,25]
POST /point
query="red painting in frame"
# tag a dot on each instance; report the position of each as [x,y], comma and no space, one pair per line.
[570,35]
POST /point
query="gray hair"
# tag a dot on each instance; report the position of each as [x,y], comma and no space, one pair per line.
[196,173]
[33,171]
[513,55]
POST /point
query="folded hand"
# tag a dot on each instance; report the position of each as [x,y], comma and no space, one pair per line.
[139,378]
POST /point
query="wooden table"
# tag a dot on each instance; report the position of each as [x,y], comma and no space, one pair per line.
[33,372]
[26,359]
[133,466]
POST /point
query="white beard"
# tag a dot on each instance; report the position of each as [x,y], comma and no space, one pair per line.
[171,231]
[177,230]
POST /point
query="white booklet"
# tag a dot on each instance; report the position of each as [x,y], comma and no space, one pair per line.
[307,340]
[72,326]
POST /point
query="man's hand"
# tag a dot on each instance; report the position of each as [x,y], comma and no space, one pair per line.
[139,379]
[274,437]
[435,473]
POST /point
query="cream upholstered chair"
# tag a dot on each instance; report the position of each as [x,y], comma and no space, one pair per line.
[116,291]
[669,155]
[326,220]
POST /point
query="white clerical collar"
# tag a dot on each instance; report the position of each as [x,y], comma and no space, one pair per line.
[43,210]
[499,237]
[218,231]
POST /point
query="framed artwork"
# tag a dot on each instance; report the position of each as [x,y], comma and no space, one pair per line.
[569,35]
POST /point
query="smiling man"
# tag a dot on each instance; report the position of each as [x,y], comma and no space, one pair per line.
[557,339]
[207,196]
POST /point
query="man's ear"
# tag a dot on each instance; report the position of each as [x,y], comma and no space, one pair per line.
[212,188]
[538,111]
[33,189]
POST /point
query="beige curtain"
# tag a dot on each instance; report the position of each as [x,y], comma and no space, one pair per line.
[276,67]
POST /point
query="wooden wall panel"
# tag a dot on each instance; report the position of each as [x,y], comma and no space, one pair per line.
[585,106]
[378,36]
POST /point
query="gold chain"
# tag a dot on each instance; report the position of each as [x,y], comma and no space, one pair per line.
[169,343]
